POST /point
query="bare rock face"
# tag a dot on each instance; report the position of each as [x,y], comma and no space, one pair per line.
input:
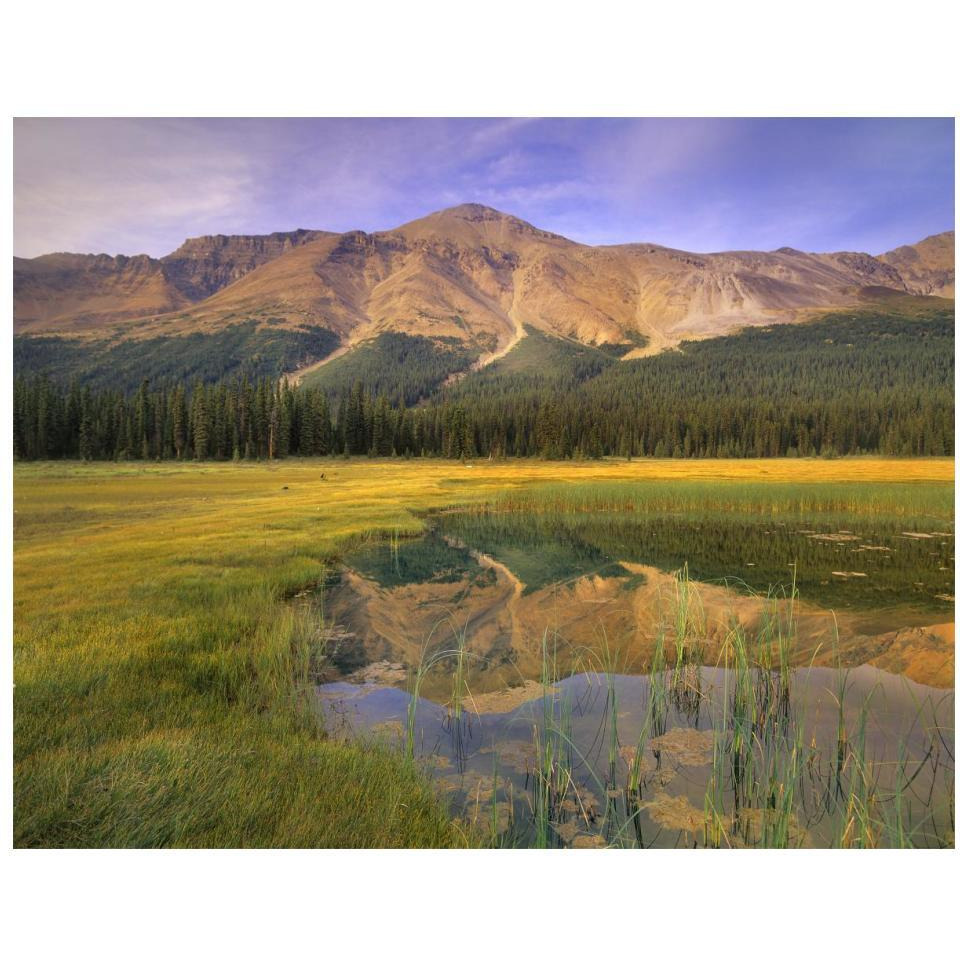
[870,271]
[204,265]
[470,273]
[926,267]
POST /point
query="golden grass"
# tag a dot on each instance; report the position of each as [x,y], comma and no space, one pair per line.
[160,678]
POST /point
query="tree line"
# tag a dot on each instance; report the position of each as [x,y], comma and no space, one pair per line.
[240,420]
[268,418]
[869,382]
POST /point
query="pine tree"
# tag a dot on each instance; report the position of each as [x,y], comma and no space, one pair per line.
[354,433]
[306,435]
[179,422]
[381,435]
[323,430]
[200,423]
[141,421]
[86,437]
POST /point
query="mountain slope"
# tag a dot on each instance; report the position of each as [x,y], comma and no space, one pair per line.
[79,292]
[86,293]
[926,267]
[481,276]
[203,265]
[469,274]
[448,275]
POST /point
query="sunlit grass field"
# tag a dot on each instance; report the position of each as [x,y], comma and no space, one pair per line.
[162,680]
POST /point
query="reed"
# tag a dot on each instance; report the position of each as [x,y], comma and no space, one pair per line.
[173,666]
[798,500]
[768,784]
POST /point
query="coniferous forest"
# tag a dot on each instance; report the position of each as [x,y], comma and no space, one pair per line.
[870,383]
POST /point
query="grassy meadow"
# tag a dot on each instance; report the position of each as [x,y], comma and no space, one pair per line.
[162,680]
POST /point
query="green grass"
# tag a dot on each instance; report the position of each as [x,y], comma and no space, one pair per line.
[183,719]
[163,668]
[162,680]
[905,495]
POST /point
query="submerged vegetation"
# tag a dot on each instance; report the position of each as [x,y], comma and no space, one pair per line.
[896,536]
[747,751]
[754,550]
[165,656]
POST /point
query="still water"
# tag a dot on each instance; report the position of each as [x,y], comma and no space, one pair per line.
[571,679]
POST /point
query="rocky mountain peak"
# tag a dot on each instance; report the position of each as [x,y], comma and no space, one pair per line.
[201,266]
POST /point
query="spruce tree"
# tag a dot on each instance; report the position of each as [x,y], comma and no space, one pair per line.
[200,423]
[179,422]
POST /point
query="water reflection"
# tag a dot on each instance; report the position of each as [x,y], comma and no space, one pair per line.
[813,653]
[599,789]
[880,594]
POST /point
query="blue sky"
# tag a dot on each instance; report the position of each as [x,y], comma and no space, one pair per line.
[142,186]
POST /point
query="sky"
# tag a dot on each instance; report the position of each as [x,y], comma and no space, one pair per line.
[144,185]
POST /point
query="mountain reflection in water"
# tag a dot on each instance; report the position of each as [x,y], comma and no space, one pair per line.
[572,680]
[880,594]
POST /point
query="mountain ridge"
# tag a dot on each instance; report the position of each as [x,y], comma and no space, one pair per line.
[469,273]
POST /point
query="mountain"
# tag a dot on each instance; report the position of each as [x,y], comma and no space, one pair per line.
[468,276]
[80,293]
[74,293]
[204,265]
[926,267]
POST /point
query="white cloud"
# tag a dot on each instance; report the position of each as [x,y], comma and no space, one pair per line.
[144,185]
[102,185]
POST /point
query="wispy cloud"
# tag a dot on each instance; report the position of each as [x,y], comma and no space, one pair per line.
[130,185]
[123,186]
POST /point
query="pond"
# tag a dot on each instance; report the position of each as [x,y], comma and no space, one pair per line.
[648,666]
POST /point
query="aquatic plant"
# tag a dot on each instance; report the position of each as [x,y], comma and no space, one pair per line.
[917,500]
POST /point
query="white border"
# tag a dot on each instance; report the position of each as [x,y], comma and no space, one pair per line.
[439,59]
